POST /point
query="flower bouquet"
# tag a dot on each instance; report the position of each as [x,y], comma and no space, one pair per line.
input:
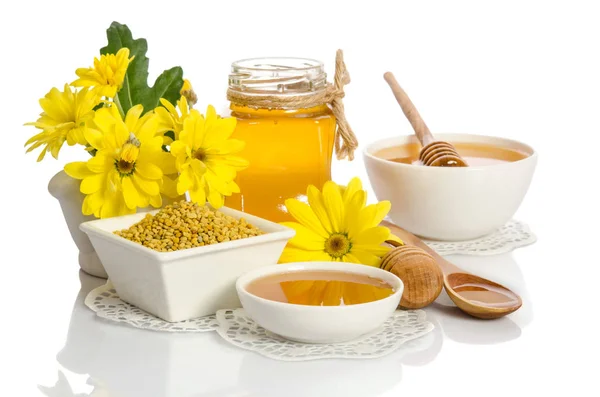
[144,144]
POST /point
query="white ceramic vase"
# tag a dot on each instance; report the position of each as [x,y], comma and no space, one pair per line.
[66,190]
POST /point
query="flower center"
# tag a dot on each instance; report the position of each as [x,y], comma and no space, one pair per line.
[125,165]
[337,245]
[200,154]
[125,168]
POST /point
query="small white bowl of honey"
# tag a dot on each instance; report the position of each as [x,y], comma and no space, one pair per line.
[451,203]
[319,302]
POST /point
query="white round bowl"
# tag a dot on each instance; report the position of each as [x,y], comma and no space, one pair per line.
[450,203]
[319,324]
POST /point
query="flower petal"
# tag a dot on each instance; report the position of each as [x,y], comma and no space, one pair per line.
[150,187]
[132,117]
[377,250]
[364,258]
[305,238]
[334,206]
[354,186]
[100,162]
[92,183]
[372,236]
[95,138]
[198,195]
[169,187]
[130,193]
[185,181]
[354,206]
[315,200]
[291,254]
[178,148]
[215,198]
[77,170]
[148,170]
[305,215]
[373,214]
[229,146]
[156,201]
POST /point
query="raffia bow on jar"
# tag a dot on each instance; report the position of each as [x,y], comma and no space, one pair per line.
[291,119]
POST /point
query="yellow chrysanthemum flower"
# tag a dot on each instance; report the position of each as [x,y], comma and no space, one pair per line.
[337,226]
[64,118]
[204,157]
[169,119]
[107,74]
[128,169]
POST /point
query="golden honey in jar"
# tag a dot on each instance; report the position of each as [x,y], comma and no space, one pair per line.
[288,147]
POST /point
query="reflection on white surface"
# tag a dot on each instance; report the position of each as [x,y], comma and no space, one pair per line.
[125,361]
[63,388]
[132,362]
[463,328]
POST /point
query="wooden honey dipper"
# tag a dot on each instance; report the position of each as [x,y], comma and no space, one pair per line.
[433,153]
[423,280]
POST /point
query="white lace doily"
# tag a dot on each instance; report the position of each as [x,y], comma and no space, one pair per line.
[105,301]
[238,329]
[513,235]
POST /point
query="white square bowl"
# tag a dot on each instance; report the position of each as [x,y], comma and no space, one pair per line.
[184,284]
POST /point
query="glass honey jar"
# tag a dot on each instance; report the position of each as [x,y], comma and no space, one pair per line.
[289,146]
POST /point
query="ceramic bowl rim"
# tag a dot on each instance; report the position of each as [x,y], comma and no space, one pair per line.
[456,137]
[245,279]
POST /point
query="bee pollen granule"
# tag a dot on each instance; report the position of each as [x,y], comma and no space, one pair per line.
[185,225]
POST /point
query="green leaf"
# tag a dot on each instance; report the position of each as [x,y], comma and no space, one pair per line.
[135,88]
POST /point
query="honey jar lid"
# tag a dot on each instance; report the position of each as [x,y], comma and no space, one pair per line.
[277,76]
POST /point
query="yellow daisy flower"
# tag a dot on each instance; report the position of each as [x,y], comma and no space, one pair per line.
[64,118]
[107,74]
[128,169]
[169,119]
[337,226]
[204,157]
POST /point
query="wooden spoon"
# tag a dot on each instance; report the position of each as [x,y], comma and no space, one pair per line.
[472,294]
[433,153]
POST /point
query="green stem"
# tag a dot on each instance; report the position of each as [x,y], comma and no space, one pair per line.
[118,103]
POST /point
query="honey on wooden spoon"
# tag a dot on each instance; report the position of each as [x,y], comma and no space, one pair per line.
[472,294]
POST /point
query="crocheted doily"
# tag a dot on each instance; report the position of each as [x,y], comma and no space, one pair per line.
[513,235]
[234,326]
[239,330]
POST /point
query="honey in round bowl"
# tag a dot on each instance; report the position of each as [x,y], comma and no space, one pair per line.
[319,302]
[451,203]
[320,288]
[475,154]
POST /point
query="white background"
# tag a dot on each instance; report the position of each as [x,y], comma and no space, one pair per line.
[519,69]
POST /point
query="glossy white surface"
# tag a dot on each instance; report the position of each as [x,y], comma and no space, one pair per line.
[319,324]
[454,203]
[185,284]
[527,70]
